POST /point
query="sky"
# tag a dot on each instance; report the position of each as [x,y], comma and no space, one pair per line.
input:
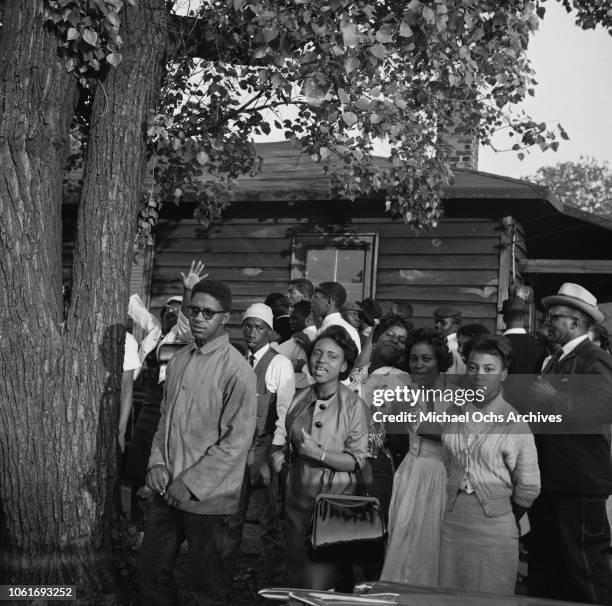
[574,73]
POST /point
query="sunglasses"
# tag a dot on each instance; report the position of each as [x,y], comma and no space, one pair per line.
[193,311]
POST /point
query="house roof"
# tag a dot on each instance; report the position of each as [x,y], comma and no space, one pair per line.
[290,174]
[287,173]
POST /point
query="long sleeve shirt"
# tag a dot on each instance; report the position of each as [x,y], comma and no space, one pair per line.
[207,424]
[499,460]
[280,380]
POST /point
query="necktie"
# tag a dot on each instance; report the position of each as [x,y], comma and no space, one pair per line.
[550,367]
[252,360]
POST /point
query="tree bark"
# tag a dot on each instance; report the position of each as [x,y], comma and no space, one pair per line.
[61,376]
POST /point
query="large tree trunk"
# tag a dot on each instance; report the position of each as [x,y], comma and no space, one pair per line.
[60,386]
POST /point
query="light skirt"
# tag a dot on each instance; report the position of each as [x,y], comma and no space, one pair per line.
[478,553]
[415,519]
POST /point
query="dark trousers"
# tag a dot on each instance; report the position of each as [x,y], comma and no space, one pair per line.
[264,502]
[210,556]
[568,546]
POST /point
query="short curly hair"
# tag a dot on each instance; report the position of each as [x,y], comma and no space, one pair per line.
[342,339]
[494,345]
[215,289]
[437,343]
[392,320]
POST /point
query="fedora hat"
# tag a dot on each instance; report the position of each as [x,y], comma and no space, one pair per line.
[578,297]
[350,306]
[514,305]
[447,312]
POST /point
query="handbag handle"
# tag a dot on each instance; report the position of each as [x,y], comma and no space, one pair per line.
[361,487]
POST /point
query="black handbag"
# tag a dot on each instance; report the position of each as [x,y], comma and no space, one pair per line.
[347,528]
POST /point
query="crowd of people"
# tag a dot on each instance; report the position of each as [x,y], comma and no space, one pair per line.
[267,424]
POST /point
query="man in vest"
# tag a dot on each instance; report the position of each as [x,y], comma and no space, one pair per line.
[275,390]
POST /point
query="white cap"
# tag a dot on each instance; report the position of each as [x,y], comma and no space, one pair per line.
[174,299]
[260,311]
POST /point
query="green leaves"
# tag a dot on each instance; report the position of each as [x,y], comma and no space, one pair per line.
[88,32]
[349,118]
[113,59]
[405,30]
[378,50]
[351,64]
[349,34]
[334,77]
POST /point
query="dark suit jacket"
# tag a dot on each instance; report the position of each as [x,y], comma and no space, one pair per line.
[527,358]
[580,462]
[527,354]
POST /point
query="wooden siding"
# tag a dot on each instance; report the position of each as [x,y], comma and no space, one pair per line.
[456,263]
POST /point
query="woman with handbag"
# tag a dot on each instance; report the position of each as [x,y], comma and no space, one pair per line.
[419,485]
[493,478]
[327,436]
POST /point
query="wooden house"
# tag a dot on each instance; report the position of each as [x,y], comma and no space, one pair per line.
[497,233]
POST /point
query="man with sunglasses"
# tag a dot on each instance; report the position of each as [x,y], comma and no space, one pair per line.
[198,457]
[570,534]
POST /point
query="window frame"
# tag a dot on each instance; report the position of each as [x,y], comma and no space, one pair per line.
[301,242]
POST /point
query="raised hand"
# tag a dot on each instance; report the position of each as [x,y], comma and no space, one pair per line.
[194,275]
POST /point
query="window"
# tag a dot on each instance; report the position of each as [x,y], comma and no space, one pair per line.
[347,259]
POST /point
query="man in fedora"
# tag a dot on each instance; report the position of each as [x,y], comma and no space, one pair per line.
[570,533]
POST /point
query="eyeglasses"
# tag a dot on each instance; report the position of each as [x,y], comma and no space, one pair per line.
[193,311]
[550,317]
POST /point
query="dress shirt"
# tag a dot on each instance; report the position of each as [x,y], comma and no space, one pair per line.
[336,319]
[571,345]
[280,379]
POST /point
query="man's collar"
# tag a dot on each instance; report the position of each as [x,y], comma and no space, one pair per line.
[571,345]
[333,317]
[515,331]
[259,353]
[213,344]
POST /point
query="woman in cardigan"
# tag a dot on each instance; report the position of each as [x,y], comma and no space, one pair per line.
[493,478]
[419,486]
[327,434]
